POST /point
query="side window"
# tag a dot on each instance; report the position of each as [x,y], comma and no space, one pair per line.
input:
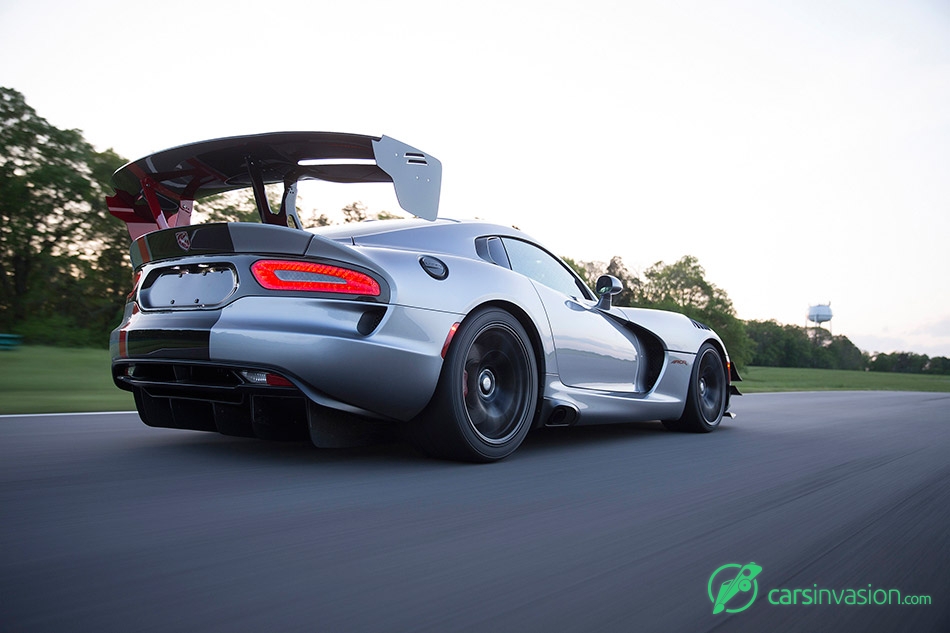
[538,264]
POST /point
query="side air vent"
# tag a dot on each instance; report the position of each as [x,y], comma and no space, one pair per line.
[701,326]
[492,251]
[370,320]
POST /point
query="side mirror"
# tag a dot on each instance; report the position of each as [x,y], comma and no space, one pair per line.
[607,286]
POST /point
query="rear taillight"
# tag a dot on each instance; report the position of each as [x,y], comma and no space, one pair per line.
[276,274]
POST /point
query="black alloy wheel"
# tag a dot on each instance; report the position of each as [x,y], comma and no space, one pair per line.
[707,395]
[487,396]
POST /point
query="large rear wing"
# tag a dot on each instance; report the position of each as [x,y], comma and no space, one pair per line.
[158,191]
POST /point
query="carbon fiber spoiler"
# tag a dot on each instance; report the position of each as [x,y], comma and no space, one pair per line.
[158,191]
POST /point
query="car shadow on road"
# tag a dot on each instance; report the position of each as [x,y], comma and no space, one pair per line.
[545,439]
[214,446]
[540,443]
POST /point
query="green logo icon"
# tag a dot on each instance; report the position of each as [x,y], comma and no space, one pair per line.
[731,583]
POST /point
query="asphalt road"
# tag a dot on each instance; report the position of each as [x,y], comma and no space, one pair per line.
[108,525]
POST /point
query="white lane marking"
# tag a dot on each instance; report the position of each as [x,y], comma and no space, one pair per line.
[37,415]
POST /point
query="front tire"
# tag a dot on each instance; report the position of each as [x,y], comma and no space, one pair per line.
[707,395]
[487,395]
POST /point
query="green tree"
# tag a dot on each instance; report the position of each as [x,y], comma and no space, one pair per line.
[683,287]
[776,345]
[60,250]
[580,269]
[845,354]
[233,206]
[768,341]
[357,212]
[239,206]
[318,220]
[901,362]
[938,365]
[632,293]
[354,212]
[389,215]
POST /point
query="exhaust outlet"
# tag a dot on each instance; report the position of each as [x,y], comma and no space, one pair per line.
[562,415]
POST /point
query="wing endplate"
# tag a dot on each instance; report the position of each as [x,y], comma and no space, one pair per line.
[416,176]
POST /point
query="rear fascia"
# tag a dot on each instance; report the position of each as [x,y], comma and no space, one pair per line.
[354,353]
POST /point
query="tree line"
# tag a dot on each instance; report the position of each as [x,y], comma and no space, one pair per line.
[682,287]
[778,345]
[65,271]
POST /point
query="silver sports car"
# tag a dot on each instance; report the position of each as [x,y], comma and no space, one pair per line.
[461,336]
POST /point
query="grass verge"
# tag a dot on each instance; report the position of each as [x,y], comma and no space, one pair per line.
[762,379]
[35,379]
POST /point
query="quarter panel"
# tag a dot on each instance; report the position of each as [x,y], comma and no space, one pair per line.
[391,372]
[469,284]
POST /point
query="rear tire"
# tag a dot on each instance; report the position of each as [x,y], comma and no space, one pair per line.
[707,395]
[487,396]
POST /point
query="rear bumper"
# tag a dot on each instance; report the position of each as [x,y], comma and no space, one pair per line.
[372,359]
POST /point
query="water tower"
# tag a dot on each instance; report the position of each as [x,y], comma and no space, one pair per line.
[819,314]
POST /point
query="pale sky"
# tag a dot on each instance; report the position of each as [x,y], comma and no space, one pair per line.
[799,149]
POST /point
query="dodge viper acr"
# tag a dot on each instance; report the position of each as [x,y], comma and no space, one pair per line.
[461,336]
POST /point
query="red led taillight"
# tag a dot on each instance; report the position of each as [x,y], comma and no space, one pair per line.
[277,274]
